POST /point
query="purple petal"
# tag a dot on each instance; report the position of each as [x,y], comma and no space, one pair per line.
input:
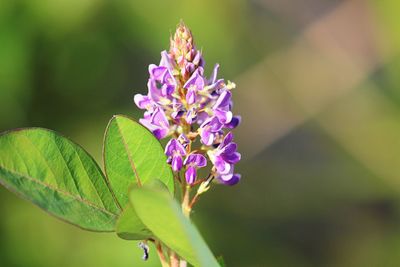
[166,61]
[182,138]
[196,80]
[207,137]
[154,92]
[200,160]
[231,158]
[160,119]
[197,160]
[223,116]
[214,74]
[222,166]
[142,101]
[217,85]
[202,117]
[190,67]
[230,179]
[170,147]
[223,100]
[191,175]
[176,163]
[191,96]
[198,59]
[230,148]
[156,72]
[236,120]
[227,139]
[191,116]
[215,125]
[160,133]
[180,148]
[146,123]
[176,115]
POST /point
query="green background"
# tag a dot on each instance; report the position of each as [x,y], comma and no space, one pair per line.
[317,85]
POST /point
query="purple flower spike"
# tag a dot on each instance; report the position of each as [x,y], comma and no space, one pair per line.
[175,151]
[192,163]
[183,103]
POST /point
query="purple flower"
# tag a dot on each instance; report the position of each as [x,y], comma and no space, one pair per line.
[209,129]
[191,115]
[236,120]
[192,163]
[175,151]
[183,140]
[143,102]
[167,61]
[224,157]
[157,123]
[222,107]
[229,179]
[161,84]
[194,84]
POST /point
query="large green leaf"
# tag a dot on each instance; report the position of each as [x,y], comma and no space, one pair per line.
[160,212]
[132,155]
[130,227]
[58,176]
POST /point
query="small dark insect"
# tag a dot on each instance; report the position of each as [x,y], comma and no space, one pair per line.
[145,247]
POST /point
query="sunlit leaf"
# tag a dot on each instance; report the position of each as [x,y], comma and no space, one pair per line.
[130,227]
[160,212]
[133,156]
[58,176]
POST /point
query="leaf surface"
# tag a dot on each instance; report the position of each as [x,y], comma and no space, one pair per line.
[57,175]
[163,216]
[130,227]
[133,156]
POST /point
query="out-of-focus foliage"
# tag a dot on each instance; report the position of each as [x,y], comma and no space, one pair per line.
[318,88]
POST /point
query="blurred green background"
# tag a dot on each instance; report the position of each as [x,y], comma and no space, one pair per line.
[318,89]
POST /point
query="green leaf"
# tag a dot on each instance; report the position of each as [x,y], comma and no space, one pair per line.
[130,227]
[163,216]
[57,175]
[132,155]
[221,261]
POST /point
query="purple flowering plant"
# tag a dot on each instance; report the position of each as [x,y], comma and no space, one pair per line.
[145,192]
[183,105]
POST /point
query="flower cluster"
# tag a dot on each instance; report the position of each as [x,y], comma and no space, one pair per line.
[184,105]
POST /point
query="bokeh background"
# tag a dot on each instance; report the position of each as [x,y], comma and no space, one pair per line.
[318,89]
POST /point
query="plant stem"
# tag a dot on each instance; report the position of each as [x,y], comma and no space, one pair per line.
[185,203]
[161,255]
[174,260]
[194,200]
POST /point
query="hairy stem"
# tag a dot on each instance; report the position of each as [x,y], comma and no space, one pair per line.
[164,262]
[185,203]
[174,259]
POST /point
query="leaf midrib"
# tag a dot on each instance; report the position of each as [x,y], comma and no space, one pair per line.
[129,155]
